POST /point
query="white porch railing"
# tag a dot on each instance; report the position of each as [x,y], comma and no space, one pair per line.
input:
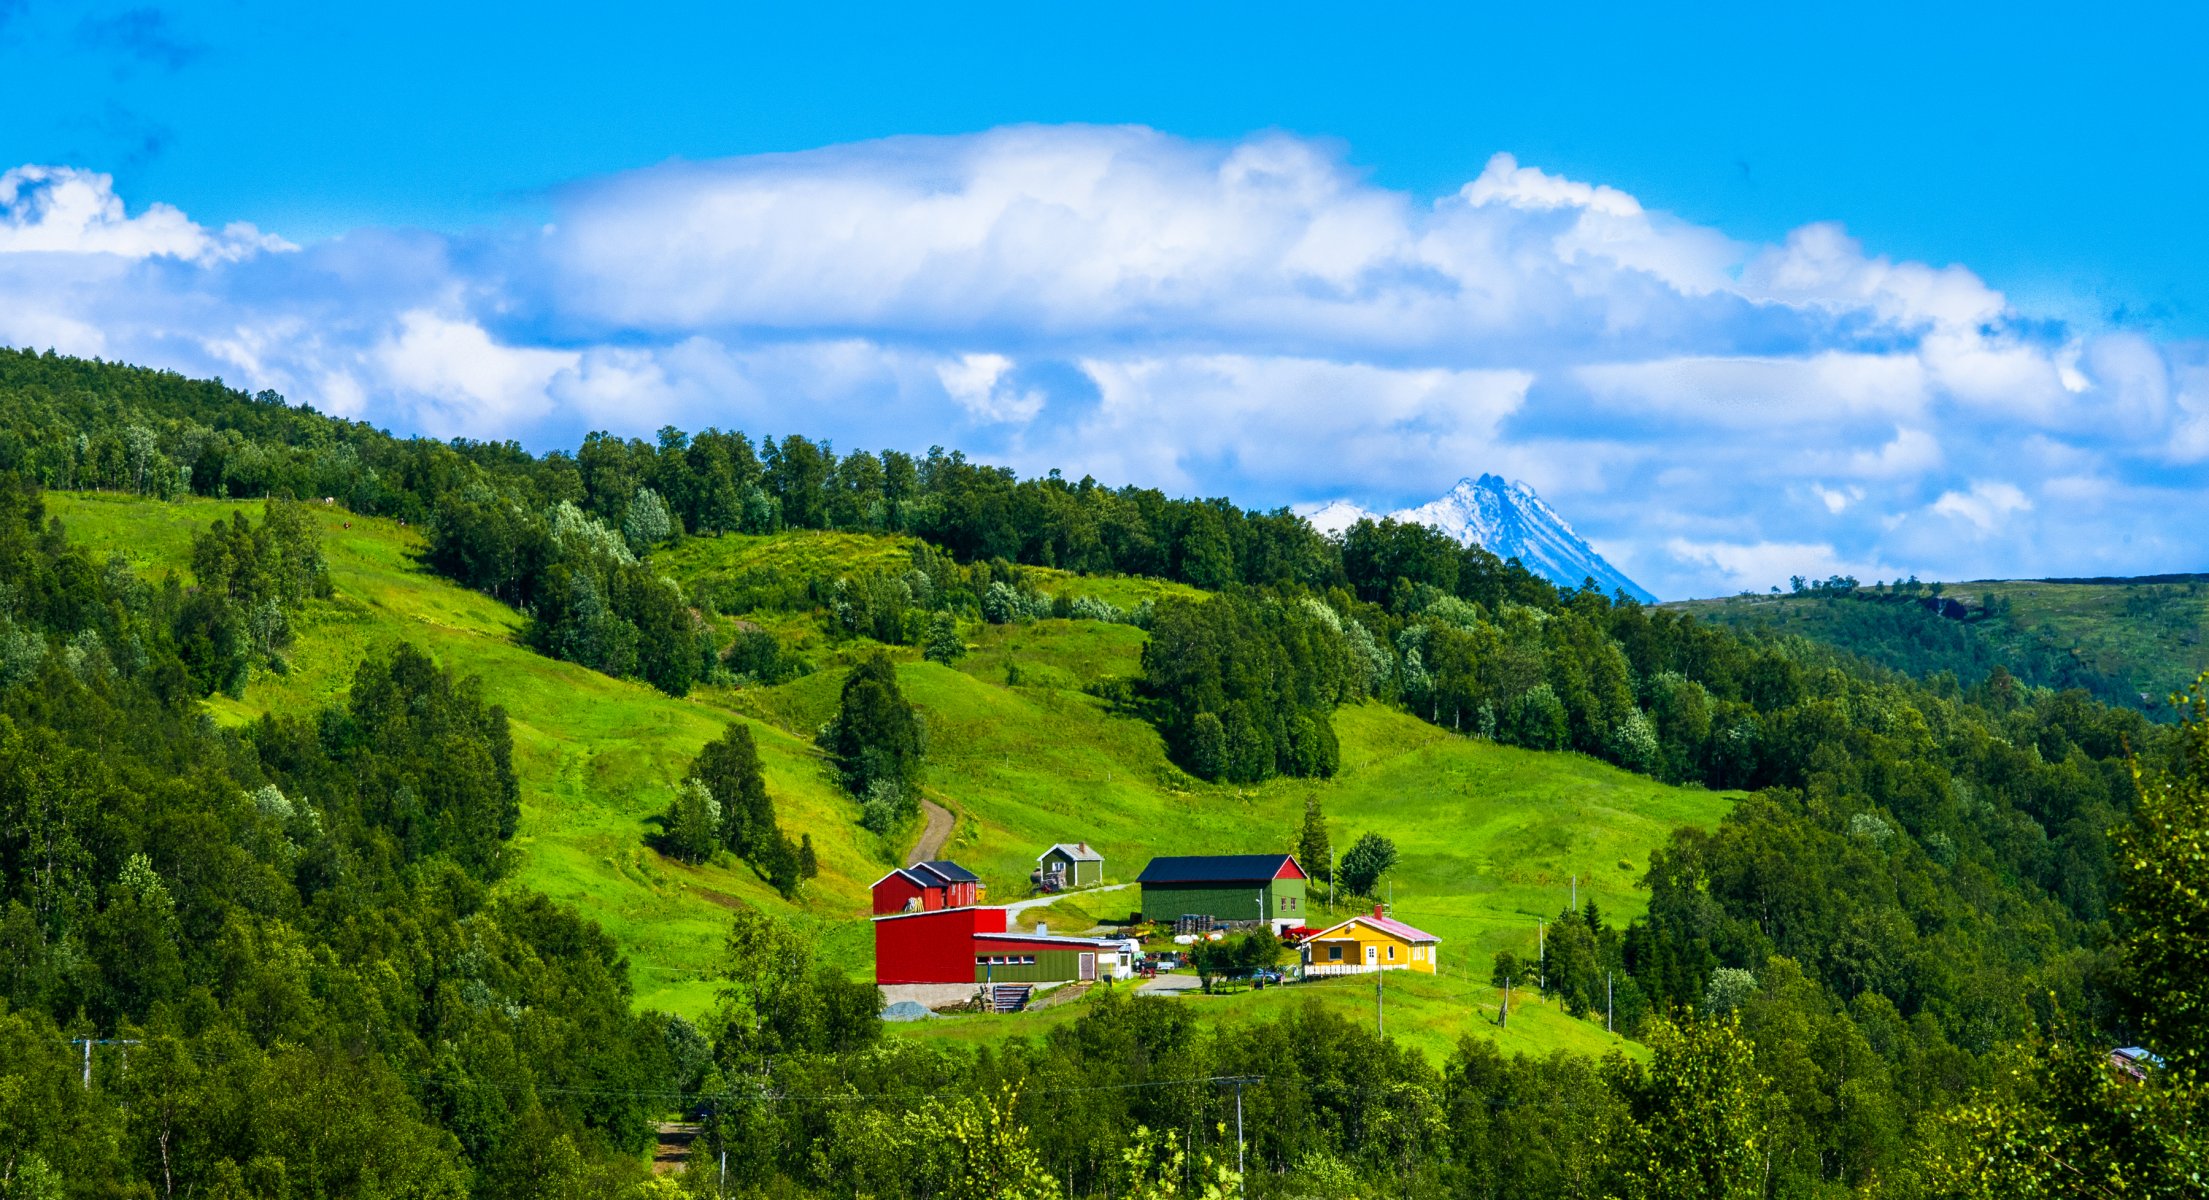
[1351,968]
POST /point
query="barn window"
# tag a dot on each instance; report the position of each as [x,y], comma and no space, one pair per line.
[1334,954]
[1392,954]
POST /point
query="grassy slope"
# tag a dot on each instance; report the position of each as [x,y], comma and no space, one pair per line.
[597,756]
[1490,835]
[2152,638]
[2155,636]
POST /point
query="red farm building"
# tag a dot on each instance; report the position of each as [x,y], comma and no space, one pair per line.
[974,945]
[931,946]
[926,887]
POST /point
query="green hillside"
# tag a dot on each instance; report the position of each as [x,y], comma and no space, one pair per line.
[2130,642]
[1491,835]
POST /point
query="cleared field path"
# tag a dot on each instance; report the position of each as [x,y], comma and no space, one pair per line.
[934,832]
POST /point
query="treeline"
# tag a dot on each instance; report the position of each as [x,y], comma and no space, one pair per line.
[289,929]
[562,535]
[1916,629]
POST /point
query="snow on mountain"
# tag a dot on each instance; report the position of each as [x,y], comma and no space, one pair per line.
[1334,516]
[1506,517]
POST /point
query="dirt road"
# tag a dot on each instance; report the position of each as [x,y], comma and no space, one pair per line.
[1019,906]
[934,832]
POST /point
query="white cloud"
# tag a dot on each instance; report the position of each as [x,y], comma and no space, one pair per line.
[1986,506]
[978,382]
[1504,181]
[1757,566]
[1836,499]
[63,210]
[1283,423]
[458,381]
[1251,317]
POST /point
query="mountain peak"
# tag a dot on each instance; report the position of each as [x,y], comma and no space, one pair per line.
[1508,518]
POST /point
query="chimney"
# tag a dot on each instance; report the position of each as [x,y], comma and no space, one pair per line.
[1042,930]
[1377,911]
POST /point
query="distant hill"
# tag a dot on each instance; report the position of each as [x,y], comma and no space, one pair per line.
[1509,520]
[2130,642]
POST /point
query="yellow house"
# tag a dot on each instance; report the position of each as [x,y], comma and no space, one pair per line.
[1363,944]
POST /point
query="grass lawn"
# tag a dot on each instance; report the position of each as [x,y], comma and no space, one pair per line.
[1022,756]
[1428,1012]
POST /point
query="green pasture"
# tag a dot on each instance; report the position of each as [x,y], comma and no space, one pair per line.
[1019,751]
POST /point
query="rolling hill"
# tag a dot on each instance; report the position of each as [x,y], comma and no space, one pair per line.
[2130,642]
[1491,836]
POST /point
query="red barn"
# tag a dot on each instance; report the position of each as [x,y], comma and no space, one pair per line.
[931,946]
[926,887]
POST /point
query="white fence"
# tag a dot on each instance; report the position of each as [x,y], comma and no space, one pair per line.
[1315,970]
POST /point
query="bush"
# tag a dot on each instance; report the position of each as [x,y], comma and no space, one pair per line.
[943,645]
[692,824]
[885,807]
[1363,864]
[755,656]
[647,522]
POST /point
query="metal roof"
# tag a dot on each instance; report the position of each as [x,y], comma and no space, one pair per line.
[1078,851]
[945,869]
[1387,925]
[1052,938]
[1213,868]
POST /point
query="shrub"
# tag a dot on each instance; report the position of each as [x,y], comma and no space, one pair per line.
[1363,864]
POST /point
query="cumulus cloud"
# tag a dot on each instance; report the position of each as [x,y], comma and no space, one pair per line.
[1985,507]
[62,210]
[1252,318]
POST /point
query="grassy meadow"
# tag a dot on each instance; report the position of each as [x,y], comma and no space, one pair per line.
[1023,756]
[2135,642]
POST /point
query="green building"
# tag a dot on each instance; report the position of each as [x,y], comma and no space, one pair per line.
[1069,865]
[1225,887]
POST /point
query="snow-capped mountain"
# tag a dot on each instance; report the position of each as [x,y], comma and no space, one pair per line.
[1506,517]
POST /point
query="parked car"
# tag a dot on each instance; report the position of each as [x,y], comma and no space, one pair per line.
[1266,978]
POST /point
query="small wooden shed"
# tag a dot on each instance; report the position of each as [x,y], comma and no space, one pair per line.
[1074,863]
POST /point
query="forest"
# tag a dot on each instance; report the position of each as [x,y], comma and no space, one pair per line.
[1895,968]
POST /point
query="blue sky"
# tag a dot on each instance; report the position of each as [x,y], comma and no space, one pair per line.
[1755,293]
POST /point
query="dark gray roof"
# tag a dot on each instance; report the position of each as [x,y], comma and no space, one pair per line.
[1213,868]
[1077,851]
[946,870]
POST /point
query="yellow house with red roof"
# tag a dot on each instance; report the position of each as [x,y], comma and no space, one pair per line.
[1365,944]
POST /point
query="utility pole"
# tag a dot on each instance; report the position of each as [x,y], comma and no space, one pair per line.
[1576,893]
[1238,1081]
[1606,1002]
[1541,962]
[1380,1012]
[1503,1015]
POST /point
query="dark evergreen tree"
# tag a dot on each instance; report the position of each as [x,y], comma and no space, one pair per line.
[730,769]
[876,736]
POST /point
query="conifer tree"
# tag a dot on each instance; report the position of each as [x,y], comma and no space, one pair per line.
[876,734]
[1312,848]
[729,767]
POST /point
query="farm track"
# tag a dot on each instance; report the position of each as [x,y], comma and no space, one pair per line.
[934,832]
